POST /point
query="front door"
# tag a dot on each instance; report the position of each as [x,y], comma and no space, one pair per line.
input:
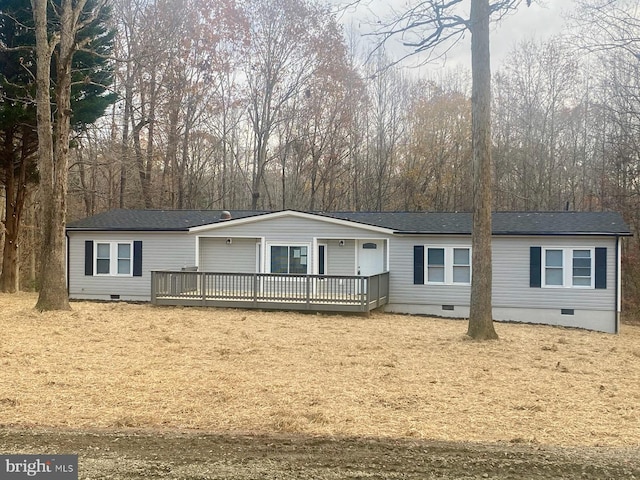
[370,257]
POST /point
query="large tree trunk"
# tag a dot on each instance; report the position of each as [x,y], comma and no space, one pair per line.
[480,317]
[53,155]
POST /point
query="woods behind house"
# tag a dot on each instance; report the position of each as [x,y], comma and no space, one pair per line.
[274,105]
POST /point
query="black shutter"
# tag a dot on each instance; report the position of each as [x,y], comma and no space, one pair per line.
[88,258]
[137,259]
[321,253]
[535,267]
[418,264]
[601,267]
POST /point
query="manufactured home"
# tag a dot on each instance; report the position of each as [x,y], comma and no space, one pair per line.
[557,268]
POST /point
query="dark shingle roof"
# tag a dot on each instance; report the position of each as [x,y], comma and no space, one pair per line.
[504,223]
[154,220]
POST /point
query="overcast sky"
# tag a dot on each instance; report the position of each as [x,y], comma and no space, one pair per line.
[539,21]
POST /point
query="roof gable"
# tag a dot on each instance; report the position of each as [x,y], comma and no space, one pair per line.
[295,214]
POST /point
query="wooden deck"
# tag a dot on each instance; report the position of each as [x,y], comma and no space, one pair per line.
[270,291]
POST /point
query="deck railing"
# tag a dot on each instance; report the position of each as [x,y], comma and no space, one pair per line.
[270,290]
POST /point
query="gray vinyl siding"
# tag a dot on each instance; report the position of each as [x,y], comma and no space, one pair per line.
[291,229]
[401,287]
[295,230]
[160,251]
[237,257]
[510,275]
[340,260]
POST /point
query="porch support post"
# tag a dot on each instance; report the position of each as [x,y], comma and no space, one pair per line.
[256,281]
[203,287]
[364,295]
[154,288]
[308,280]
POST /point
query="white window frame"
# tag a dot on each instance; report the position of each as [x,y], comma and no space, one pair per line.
[567,267]
[113,258]
[448,264]
[289,245]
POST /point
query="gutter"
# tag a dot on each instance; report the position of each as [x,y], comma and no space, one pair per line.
[618,293]
[522,234]
[66,235]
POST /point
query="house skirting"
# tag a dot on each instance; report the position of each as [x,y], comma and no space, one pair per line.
[603,321]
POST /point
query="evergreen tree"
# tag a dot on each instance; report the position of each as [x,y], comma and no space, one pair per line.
[92,76]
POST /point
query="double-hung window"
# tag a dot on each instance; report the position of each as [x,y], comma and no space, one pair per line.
[448,265]
[568,267]
[462,265]
[435,265]
[114,258]
[289,259]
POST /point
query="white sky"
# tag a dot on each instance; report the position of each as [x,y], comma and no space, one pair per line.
[540,21]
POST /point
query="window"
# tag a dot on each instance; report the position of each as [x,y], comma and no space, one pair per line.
[435,265]
[553,268]
[461,265]
[103,258]
[448,265]
[113,258]
[581,268]
[288,259]
[124,259]
[559,267]
[568,267]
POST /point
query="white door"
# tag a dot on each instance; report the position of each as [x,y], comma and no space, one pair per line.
[370,257]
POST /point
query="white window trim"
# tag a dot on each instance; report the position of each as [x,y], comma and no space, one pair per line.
[448,265]
[567,267]
[292,244]
[113,258]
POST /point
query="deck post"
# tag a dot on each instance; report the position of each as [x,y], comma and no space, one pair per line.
[308,279]
[255,290]
[203,287]
[154,288]
[375,287]
[364,294]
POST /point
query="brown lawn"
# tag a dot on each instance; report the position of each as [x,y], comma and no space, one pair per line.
[121,366]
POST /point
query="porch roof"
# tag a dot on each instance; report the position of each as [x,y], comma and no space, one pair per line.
[432,223]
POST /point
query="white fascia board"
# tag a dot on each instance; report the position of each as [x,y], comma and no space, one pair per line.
[289,213]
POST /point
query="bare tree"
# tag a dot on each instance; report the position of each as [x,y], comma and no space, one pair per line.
[534,95]
[53,137]
[287,38]
[424,27]
[606,25]
[434,174]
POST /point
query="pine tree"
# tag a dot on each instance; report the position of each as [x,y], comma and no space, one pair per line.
[92,74]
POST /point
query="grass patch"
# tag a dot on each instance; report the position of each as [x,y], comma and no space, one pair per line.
[123,366]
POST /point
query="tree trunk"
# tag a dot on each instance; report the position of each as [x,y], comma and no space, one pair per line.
[10,268]
[480,317]
[15,194]
[124,160]
[53,155]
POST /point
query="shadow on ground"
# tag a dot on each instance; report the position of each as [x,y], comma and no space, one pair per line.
[117,455]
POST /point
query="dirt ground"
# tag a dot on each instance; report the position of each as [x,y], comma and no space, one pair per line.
[192,456]
[148,392]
